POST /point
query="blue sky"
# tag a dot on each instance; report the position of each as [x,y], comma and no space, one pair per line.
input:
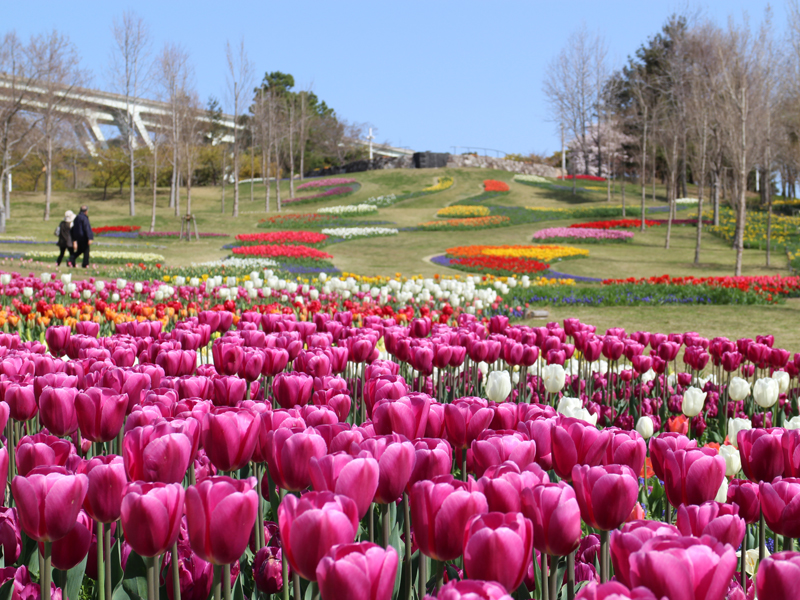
[429,75]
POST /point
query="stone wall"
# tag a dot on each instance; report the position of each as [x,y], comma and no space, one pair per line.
[501,164]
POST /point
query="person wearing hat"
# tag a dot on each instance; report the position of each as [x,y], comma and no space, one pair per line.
[64,233]
[82,236]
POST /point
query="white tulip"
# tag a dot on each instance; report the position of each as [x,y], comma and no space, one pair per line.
[765,392]
[793,423]
[180,280]
[738,389]
[27,292]
[65,278]
[86,294]
[5,278]
[648,376]
[751,560]
[645,427]
[693,401]
[138,287]
[323,276]
[554,378]
[734,427]
[313,294]
[121,283]
[194,281]
[230,281]
[159,296]
[733,461]
[722,493]
[100,286]
[71,288]
[583,415]
[252,293]
[248,285]
[782,377]
[566,405]
[115,297]
[45,277]
[498,386]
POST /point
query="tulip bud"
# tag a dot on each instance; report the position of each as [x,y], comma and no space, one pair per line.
[693,401]
[783,379]
[734,427]
[553,377]
[738,389]
[765,392]
[733,462]
[645,427]
[498,386]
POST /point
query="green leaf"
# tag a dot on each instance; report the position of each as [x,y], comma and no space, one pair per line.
[134,583]
[74,580]
[238,590]
[29,556]
[117,574]
[7,589]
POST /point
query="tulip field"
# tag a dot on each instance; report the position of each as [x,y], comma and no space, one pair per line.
[348,399]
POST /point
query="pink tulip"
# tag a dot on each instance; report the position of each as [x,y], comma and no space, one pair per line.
[313,524]
[107,484]
[356,478]
[42,450]
[613,590]
[684,567]
[497,547]
[443,504]
[502,485]
[392,387]
[762,453]
[744,494]
[57,410]
[48,501]
[357,572]
[289,452]
[156,453]
[292,389]
[396,458]
[151,516]
[220,513]
[471,590]
[780,502]
[406,416]
[432,457]
[57,339]
[229,391]
[556,517]
[494,448]
[606,495]
[275,361]
[630,539]
[720,521]
[667,441]
[70,550]
[100,413]
[21,401]
[778,575]
[693,476]
[10,534]
[626,448]
[229,437]
[575,442]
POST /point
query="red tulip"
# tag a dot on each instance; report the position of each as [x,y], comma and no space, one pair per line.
[395,456]
[220,513]
[10,534]
[684,567]
[432,457]
[341,473]
[156,453]
[151,516]
[73,547]
[107,483]
[497,547]
[720,521]
[780,502]
[289,452]
[57,410]
[42,450]
[693,476]
[606,495]
[502,485]
[357,572]
[48,501]
[575,442]
[313,524]
[440,505]
[556,517]
[667,441]
[101,413]
[229,437]
[778,575]
[292,389]
[471,590]
[762,453]
[630,539]
[744,494]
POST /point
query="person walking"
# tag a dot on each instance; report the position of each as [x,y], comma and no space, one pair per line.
[82,236]
[64,233]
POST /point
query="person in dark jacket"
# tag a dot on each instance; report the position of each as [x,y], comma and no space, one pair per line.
[64,233]
[82,236]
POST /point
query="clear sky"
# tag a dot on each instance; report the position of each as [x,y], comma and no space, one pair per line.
[429,75]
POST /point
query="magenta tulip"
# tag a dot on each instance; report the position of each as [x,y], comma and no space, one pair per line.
[762,453]
[70,550]
[744,494]
[693,476]
[502,485]
[229,437]
[10,534]
[606,495]
[57,339]
[396,457]
[42,450]
[720,521]
[778,575]
[289,452]
[292,389]
[432,457]
[556,517]
[465,419]
[780,502]
[267,570]
[107,484]
[498,547]
[21,401]
[48,501]
[229,391]
[101,413]
[613,590]
[313,524]
[471,590]
[494,448]
[626,448]
[220,513]
[443,505]
[341,473]
[57,410]
[630,539]
[151,516]
[357,572]
[406,416]
[684,567]
[156,453]
[575,442]
[659,445]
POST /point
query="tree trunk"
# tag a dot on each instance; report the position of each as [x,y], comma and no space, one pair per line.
[265,177]
[252,173]
[291,151]
[715,192]
[132,170]
[622,191]
[75,171]
[673,189]
[643,173]
[48,179]
[766,187]
[700,185]
[277,176]
[235,172]
[188,189]
[105,190]
[654,173]
[155,188]
[3,191]
[224,154]
[743,187]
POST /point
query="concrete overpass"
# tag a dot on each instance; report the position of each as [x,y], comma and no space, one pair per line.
[88,109]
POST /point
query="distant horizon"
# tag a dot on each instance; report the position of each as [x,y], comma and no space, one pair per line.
[433,79]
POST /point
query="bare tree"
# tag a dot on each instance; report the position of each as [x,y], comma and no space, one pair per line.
[239,76]
[129,74]
[175,73]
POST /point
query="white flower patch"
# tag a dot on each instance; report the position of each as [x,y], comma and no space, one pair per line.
[349,233]
[686,201]
[530,179]
[239,263]
[382,200]
[350,209]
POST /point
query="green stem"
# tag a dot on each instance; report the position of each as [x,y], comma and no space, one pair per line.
[260,541]
[439,575]
[603,556]
[284,564]
[101,569]
[407,544]
[762,546]
[296,584]
[423,574]
[553,577]
[371,521]
[571,575]
[545,579]
[218,582]
[46,576]
[107,555]
[226,582]
[743,561]
[788,543]
[176,578]
[387,526]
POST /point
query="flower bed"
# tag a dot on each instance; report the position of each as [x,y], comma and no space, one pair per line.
[785,230]
[350,209]
[582,234]
[390,199]
[771,288]
[282,252]
[499,265]
[509,260]
[349,233]
[442,184]
[377,201]
[493,185]
[530,179]
[116,229]
[324,183]
[582,177]
[333,192]
[298,219]
[104,257]
[308,238]
[465,224]
[459,210]
[615,224]
[176,234]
